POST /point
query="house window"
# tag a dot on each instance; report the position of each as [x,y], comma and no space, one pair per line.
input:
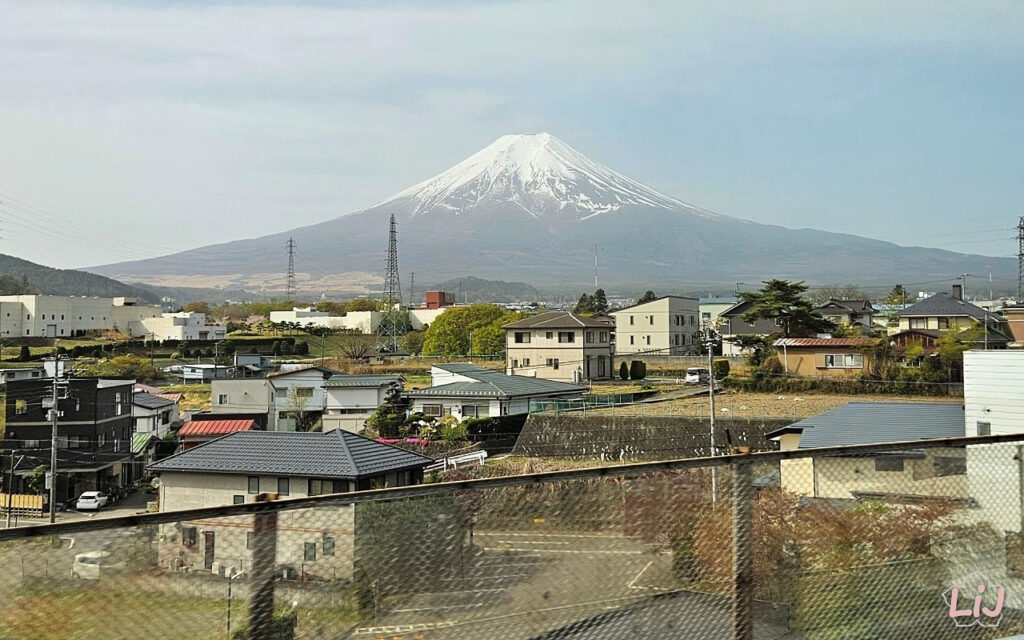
[526,362]
[566,336]
[31,444]
[603,337]
[630,339]
[949,466]
[844,361]
[590,336]
[432,410]
[319,487]
[650,319]
[469,411]
[549,335]
[552,362]
[943,323]
[888,463]
[515,363]
[222,398]
[918,323]
[522,337]
[250,540]
[254,485]
[648,339]
[328,546]
[20,407]
[309,551]
[303,392]
[282,486]
[103,440]
[238,499]
[984,428]
[189,536]
[630,319]
[677,339]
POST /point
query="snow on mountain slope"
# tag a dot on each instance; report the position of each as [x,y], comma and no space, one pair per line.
[539,173]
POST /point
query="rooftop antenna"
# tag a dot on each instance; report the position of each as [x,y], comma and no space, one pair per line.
[391,325]
[289,283]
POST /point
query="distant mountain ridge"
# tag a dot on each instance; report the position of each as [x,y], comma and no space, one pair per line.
[531,208]
[70,282]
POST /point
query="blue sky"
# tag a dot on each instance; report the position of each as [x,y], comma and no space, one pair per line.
[134,129]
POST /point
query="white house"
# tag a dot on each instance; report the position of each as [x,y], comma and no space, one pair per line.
[667,326]
[153,414]
[351,399]
[468,391]
[25,373]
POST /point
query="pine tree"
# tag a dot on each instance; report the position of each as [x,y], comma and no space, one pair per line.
[624,371]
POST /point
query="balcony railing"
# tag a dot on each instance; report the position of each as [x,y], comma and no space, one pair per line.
[845,542]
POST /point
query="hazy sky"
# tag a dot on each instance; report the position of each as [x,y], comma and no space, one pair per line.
[131,129]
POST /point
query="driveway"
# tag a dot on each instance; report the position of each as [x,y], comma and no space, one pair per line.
[133,504]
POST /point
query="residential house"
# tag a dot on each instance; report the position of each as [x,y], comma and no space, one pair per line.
[856,313]
[731,325]
[196,432]
[93,434]
[904,475]
[289,398]
[712,308]
[254,362]
[828,357]
[24,373]
[943,311]
[668,326]
[236,468]
[558,345]
[468,391]
[1013,316]
[153,414]
[204,373]
[351,399]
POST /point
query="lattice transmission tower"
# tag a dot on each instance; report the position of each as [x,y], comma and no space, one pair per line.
[393,318]
[289,283]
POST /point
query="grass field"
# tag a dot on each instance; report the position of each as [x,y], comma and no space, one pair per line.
[196,396]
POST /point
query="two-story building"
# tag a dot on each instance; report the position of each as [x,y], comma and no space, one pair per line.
[316,543]
[731,325]
[184,325]
[94,432]
[351,399]
[154,414]
[291,399]
[668,326]
[856,313]
[558,345]
[943,311]
[465,390]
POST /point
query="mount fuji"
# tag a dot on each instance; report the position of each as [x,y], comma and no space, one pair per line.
[532,208]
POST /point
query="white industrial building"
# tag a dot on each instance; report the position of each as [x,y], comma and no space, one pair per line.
[178,326]
[365,322]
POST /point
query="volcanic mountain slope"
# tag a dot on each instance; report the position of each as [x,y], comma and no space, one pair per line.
[532,208]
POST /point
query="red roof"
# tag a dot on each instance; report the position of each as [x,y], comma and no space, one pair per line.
[824,342]
[194,428]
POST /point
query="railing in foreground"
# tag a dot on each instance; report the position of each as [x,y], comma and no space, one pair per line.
[904,540]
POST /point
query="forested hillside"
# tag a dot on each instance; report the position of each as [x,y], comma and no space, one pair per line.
[19,276]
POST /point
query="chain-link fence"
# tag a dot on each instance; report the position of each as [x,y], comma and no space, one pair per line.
[886,541]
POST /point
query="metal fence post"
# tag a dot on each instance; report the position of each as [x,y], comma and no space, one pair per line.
[264,559]
[742,549]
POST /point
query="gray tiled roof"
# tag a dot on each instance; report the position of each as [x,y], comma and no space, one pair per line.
[493,384]
[336,454]
[854,306]
[343,380]
[875,422]
[555,320]
[150,401]
[943,304]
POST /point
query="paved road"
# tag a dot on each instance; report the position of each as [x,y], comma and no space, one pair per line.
[133,504]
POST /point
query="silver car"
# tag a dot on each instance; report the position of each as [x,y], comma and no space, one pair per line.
[697,375]
[91,500]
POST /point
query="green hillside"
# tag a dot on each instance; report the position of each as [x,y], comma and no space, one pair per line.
[29,277]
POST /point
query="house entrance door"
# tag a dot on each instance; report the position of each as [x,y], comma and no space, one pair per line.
[51,331]
[208,550]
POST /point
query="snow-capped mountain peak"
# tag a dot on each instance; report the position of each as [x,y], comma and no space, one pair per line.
[539,174]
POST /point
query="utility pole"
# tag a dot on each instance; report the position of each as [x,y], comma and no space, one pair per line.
[963,287]
[1020,260]
[708,343]
[10,487]
[58,385]
[412,285]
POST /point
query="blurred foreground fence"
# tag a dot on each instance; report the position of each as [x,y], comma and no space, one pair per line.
[880,541]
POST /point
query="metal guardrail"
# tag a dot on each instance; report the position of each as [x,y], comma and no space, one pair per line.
[566,554]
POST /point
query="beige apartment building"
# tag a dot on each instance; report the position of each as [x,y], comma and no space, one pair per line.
[667,326]
[559,346]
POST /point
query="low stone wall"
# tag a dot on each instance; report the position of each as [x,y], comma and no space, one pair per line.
[631,437]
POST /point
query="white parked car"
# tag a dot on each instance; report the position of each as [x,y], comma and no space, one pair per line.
[91,500]
[91,564]
[697,375]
